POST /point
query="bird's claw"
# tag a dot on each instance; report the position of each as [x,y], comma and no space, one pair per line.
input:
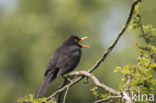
[87,81]
[68,79]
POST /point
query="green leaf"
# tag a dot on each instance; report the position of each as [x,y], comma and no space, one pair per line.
[93,89]
[117,69]
[126,69]
[153,49]
[152,65]
[144,61]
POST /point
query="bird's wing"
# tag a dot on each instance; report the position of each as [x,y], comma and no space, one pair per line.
[51,65]
[67,62]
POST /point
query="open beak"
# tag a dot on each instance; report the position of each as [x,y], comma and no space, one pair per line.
[82,39]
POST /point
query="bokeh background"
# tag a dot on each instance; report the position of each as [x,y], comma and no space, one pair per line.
[30,31]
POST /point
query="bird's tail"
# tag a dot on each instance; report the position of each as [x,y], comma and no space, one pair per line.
[43,86]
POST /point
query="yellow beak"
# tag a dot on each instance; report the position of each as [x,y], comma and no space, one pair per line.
[82,39]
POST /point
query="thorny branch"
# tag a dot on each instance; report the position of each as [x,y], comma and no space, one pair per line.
[103,57]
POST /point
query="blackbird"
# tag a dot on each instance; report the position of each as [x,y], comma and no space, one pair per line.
[62,61]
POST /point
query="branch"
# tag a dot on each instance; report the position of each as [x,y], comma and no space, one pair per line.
[96,81]
[143,34]
[130,77]
[106,99]
[123,29]
[127,97]
[126,93]
[60,94]
[63,88]
[65,95]
[105,54]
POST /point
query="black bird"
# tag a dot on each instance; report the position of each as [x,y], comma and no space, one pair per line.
[62,61]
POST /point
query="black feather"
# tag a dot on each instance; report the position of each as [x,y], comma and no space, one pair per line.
[63,60]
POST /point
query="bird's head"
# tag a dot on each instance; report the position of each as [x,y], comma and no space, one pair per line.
[76,40]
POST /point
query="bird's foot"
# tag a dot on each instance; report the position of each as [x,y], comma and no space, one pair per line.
[87,81]
[68,79]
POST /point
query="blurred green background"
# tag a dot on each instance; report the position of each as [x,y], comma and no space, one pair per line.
[30,31]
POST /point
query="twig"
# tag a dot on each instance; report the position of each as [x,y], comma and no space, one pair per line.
[58,98]
[96,81]
[107,51]
[126,93]
[144,35]
[65,95]
[63,88]
[127,97]
[60,94]
[106,99]
[130,77]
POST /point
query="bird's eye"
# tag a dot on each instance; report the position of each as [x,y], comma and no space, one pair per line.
[75,40]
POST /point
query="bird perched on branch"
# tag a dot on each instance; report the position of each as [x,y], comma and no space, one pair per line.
[62,61]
